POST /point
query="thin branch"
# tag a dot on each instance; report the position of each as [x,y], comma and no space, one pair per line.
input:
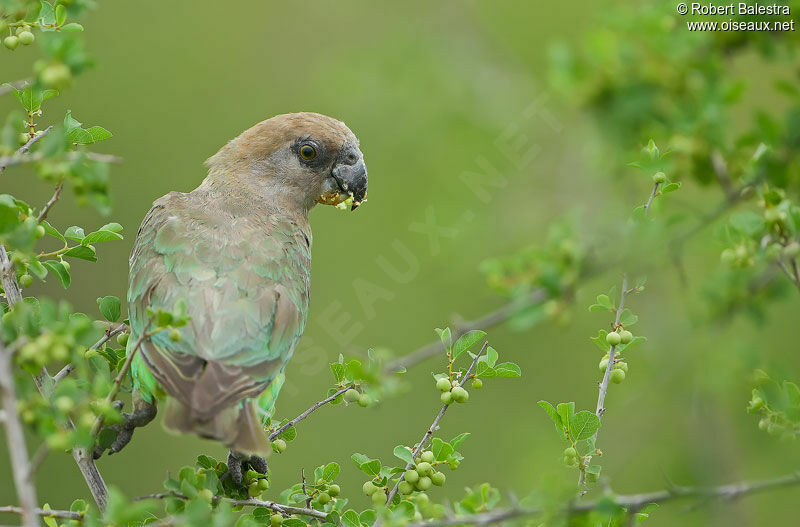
[652,197]
[632,502]
[434,426]
[308,412]
[486,321]
[50,202]
[108,335]
[20,153]
[17,449]
[21,159]
[98,422]
[38,458]
[286,510]
[45,513]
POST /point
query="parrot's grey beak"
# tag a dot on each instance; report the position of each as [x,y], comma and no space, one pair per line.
[351,176]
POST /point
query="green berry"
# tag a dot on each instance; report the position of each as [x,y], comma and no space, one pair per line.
[460,395]
[625,336]
[379,498]
[613,338]
[659,177]
[422,499]
[412,476]
[443,385]
[26,280]
[351,395]
[364,400]
[56,75]
[621,365]
[122,339]
[275,520]
[405,488]
[23,138]
[369,488]
[424,468]
[447,397]
[334,490]
[763,424]
[279,445]
[206,495]
[39,232]
[424,483]
[617,376]
[263,483]
[11,42]
[26,38]
[570,453]
[428,456]
[438,479]
[253,490]
[603,365]
[175,335]
[323,498]
[477,383]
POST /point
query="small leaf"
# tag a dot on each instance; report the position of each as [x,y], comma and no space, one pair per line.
[61,14]
[403,453]
[330,471]
[72,27]
[58,269]
[109,307]
[584,425]
[670,187]
[338,371]
[75,233]
[627,318]
[84,252]
[350,519]
[508,369]
[441,449]
[466,341]
[445,337]
[100,236]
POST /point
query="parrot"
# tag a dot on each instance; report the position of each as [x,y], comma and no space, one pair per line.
[236,251]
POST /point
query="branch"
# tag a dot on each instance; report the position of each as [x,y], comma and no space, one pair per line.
[601,396]
[20,153]
[486,321]
[108,335]
[632,502]
[652,197]
[308,412]
[45,513]
[431,429]
[286,510]
[17,159]
[15,437]
[52,201]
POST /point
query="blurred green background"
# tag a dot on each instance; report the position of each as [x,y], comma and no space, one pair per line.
[433,90]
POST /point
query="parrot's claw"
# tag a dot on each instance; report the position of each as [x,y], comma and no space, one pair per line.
[143,413]
[239,464]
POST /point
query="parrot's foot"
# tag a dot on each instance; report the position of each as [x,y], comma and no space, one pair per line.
[143,413]
[239,464]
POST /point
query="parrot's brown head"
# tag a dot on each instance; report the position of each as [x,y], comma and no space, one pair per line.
[306,157]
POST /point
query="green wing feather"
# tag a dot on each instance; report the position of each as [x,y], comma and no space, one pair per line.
[245,281]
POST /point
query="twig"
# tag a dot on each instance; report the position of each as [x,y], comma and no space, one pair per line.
[98,422]
[652,197]
[45,513]
[50,202]
[305,493]
[11,160]
[431,429]
[306,413]
[15,437]
[20,159]
[486,321]
[108,335]
[632,502]
[38,458]
[603,388]
[286,510]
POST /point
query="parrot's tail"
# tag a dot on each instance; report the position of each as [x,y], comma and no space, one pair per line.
[238,427]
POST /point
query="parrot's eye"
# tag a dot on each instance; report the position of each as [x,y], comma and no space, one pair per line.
[308,152]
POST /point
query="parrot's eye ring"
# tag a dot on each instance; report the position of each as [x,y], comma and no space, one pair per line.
[307,152]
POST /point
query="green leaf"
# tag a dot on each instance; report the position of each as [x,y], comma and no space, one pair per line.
[75,233]
[403,453]
[83,252]
[466,341]
[100,236]
[72,27]
[553,414]
[600,340]
[330,471]
[338,371]
[109,307]
[445,337]
[58,269]
[113,227]
[583,425]
[78,506]
[441,449]
[460,438]
[52,231]
[47,15]
[36,268]
[637,339]
[748,222]
[670,187]
[603,304]
[627,318]
[508,369]
[61,14]
[350,519]
[566,411]
[491,355]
